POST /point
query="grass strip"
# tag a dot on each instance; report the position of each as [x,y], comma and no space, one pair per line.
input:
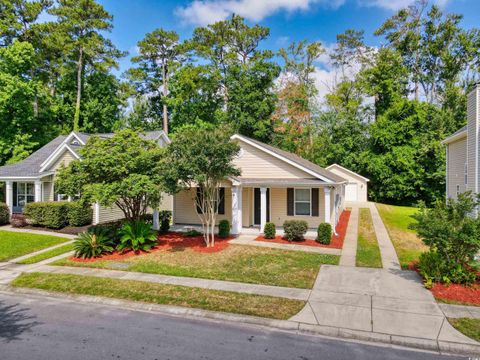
[215,300]
[368,252]
[47,254]
[248,264]
[467,326]
[15,244]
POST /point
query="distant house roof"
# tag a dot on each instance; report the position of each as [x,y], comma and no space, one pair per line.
[33,166]
[294,160]
[456,135]
[347,171]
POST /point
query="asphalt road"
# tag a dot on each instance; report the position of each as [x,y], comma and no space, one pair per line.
[36,328]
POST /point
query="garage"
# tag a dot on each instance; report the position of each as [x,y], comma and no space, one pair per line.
[357,185]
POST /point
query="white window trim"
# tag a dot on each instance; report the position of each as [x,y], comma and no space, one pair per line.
[25,193]
[295,201]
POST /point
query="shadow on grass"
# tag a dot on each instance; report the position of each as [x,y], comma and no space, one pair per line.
[14,321]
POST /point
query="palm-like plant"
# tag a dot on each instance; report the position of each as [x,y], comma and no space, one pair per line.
[136,235]
[92,244]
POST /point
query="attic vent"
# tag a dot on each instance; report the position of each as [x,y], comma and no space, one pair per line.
[75,142]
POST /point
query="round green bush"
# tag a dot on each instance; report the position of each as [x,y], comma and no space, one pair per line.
[165,216]
[324,233]
[4,214]
[295,229]
[224,228]
[269,230]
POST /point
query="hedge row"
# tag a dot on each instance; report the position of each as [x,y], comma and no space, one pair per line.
[4,214]
[57,215]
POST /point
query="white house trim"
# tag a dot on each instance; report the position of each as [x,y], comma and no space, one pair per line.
[348,171]
[288,161]
[452,138]
[56,154]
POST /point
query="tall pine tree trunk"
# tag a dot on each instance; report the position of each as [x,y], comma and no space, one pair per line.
[165,93]
[76,118]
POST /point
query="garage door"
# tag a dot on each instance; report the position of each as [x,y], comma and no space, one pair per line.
[351,193]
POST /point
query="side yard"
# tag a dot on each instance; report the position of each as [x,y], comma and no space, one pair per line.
[16,244]
[368,252]
[397,220]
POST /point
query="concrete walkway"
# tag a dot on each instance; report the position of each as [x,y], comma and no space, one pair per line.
[385,303]
[249,240]
[460,311]
[387,251]
[349,251]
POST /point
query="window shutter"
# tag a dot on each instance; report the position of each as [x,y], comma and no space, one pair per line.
[199,196]
[290,200]
[221,203]
[315,202]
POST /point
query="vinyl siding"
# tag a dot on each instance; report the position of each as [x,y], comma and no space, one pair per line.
[64,159]
[472,139]
[47,191]
[362,184]
[257,164]
[108,214]
[185,211]
[457,156]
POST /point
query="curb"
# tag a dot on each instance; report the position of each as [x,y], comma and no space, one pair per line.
[443,347]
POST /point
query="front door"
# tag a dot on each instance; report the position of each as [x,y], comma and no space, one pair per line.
[256,205]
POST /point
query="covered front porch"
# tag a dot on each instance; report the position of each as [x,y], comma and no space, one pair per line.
[248,204]
[18,192]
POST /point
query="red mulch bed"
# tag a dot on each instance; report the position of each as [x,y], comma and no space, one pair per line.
[468,295]
[169,241]
[462,294]
[335,243]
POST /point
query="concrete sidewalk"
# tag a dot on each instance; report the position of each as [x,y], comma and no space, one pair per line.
[349,250]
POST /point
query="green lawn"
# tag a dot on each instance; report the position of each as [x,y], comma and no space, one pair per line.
[48,254]
[368,252]
[467,326]
[249,264]
[225,301]
[15,244]
[397,220]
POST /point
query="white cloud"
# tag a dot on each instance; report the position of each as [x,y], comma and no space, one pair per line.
[203,12]
[396,4]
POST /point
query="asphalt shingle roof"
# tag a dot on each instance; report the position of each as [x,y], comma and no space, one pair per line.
[30,167]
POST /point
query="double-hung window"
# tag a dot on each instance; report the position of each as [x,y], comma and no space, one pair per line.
[25,193]
[303,202]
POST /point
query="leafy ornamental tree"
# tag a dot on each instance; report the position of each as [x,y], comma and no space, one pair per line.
[201,157]
[452,231]
[122,170]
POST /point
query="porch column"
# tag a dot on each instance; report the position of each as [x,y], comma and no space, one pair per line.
[96,213]
[38,191]
[236,210]
[156,220]
[327,204]
[9,195]
[263,208]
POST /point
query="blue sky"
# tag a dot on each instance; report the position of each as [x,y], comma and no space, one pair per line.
[288,20]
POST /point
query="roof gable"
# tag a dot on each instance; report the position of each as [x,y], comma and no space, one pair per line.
[350,172]
[293,160]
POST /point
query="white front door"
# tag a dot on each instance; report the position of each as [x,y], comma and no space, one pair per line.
[351,192]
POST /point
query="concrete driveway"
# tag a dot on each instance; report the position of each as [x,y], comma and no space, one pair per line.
[383,302]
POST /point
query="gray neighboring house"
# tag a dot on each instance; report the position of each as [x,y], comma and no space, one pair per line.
[32,180]
[462,151]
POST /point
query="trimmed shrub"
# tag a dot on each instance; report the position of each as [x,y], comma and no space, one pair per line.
[92,243]
[79,214]
[4,214]
[112,229]
[49,214]
[165,216]
[224,228]
[18,221]
[269,231]
[324,233]
[295,229]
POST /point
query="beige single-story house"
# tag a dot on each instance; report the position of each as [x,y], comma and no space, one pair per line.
[32,180]
[357,185]
[274,186]
[462,151]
